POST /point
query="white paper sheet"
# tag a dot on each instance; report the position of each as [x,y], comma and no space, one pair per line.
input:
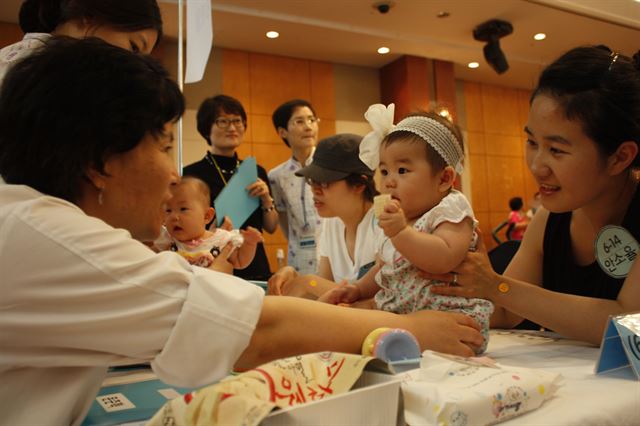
[199,38]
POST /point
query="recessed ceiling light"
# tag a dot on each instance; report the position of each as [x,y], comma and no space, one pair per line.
[445,14]
[273,34]
[540,36]
[473,65]
[383,50]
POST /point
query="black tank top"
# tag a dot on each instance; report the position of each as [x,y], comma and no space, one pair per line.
[560,272]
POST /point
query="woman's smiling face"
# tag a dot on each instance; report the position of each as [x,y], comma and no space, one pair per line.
[565,162]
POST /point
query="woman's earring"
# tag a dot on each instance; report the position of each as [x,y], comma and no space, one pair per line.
[100,200]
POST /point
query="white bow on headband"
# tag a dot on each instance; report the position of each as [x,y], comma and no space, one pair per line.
[430,130]
[380,118]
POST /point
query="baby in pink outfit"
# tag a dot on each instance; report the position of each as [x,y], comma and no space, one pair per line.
[187,214]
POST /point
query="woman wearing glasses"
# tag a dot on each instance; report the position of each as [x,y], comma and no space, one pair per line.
[222,122]
[297,125]
[343,190]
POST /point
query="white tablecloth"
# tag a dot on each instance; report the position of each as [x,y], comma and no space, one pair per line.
[584,398]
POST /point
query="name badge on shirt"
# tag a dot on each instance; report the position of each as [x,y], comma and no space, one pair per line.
[615,250]
[307,242]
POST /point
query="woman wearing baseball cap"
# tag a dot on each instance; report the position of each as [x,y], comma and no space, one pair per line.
[343,191]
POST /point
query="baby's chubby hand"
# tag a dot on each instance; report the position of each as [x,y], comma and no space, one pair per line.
[251,235]
[392,220]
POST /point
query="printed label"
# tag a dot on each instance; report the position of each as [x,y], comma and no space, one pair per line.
[615,250]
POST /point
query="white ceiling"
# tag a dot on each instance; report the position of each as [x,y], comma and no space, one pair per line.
[350,31]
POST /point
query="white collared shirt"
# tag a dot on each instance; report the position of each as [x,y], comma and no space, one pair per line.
[292,195]
[79,295]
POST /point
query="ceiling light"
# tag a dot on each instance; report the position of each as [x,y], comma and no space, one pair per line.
[445,14]
[383,50]
[540,36]
[473,65]
[273,34]
[444,112]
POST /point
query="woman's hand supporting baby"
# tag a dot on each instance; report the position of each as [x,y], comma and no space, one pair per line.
[345,293]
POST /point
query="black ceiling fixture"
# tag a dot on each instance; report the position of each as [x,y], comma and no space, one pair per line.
[491,32]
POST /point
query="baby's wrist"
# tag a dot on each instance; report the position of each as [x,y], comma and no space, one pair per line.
[397,234]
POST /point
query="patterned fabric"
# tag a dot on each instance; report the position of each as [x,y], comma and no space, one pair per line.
[292,195]
[202,251]
[402,290]
[20,50]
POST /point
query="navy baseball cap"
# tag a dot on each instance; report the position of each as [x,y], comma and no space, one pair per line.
[335,158]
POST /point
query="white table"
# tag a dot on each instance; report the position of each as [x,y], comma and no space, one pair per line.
[583,398]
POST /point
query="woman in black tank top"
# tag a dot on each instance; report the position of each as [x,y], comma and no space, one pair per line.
[583,141]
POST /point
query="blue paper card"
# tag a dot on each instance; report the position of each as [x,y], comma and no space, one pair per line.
[620,349]
[130,402]
[234,200]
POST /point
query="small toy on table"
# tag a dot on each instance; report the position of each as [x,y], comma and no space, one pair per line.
[395,346]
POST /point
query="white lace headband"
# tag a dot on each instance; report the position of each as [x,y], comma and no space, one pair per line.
[433,132]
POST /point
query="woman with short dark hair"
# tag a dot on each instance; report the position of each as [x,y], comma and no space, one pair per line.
[86,135]
[222,122]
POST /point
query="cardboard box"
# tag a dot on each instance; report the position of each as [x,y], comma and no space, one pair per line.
[374,400]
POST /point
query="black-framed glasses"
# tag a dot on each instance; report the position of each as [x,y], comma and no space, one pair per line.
[224,123]
[305,121]
[312,183]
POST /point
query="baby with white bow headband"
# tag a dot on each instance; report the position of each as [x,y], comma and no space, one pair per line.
[428,225]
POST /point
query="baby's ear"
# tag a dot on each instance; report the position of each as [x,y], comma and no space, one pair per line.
[447,178]
[209,214]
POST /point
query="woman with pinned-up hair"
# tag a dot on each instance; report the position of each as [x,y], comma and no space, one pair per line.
[132,25]
[575,266]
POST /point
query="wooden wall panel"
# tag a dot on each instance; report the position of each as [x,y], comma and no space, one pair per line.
[445,86]
[500,110]
[473,107]
[499,144]
[276,79]
[263,130]
[327,128]
[475,143]
[505,179]
[495,118]
[235,76]
[479,186]
[262,82]
[9,34]
[418,76]
[271,155]
[322,89]
[394,87]
[405,82]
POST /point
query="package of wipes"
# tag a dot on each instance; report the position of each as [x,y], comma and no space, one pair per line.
[246,399]
[453,391]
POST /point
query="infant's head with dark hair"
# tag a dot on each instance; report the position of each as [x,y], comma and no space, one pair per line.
[188,211]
